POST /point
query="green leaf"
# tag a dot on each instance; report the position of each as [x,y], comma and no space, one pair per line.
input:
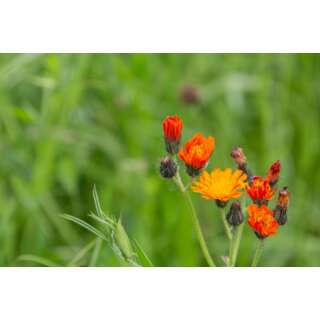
[97,202]
[143,258]
[39,260]
[84,225]
[105,220]
[81,254]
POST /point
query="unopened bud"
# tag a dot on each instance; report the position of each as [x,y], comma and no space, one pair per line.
[168,168]
[172,130]
[274,173]
[280,214]
[240,159]
[235,215]
[280,211]
[238,156]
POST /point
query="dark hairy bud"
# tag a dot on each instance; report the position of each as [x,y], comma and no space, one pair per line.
[168,167]
[280,214]
[235,215]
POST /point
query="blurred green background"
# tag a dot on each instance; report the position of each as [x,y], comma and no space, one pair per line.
[69,121]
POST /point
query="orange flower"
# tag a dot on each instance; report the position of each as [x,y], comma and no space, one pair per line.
[259,190]
[196,153]
[172,128]
[274,173]
[262,221]
[220,185]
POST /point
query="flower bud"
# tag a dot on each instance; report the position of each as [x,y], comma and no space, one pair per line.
[235,215]
[274,173]
[168,168]
[172,129]
[238,156]
[280,214]
[280,211]
[240,159]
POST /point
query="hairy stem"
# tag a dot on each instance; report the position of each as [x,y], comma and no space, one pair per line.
[195,221]
[226,225]
[235,244]
[257,254]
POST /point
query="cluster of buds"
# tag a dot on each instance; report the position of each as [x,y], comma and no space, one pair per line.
[195,153]
[262,220]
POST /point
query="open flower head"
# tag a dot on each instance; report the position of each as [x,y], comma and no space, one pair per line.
[220,185]
[196,153]
[262,221]
[259,190]
[172,129]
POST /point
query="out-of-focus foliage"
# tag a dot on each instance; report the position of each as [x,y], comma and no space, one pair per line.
[72,121]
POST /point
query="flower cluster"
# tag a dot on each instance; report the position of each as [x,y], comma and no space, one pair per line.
[261,219]
[223,185]
[195,153]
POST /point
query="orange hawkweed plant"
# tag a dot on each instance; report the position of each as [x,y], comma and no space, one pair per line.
[227,188]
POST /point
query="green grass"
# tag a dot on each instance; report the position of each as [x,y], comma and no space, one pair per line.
[72,121]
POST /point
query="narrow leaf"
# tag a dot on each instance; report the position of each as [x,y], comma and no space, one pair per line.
[84,225]
[38,260]
[143,258]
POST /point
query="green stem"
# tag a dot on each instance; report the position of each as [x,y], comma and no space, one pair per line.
[195,221]
[225,223]
[235,244]
[258,253]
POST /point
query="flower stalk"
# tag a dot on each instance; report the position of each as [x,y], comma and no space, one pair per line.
[258,253]
[225,223]
[235,244]
[195,221]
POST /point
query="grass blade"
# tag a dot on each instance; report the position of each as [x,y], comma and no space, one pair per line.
[95,253]
[84,225]
[82,253]
[144,259]
[97,202]
[38,260]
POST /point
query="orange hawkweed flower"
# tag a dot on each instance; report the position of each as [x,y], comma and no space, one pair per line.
[274,173]
[262,221]
[259,190]
[172,129]
[220,185]
[196,153]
